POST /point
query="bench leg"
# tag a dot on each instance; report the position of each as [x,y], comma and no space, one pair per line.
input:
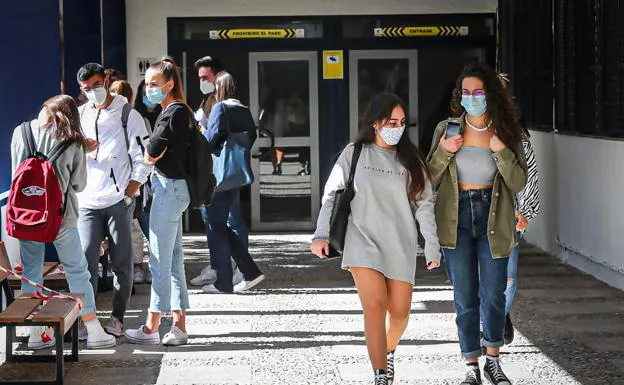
[74,338]
[8,292]
[59,354]
[10,332]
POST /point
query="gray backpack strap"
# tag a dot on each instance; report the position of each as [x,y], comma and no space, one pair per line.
[125,114]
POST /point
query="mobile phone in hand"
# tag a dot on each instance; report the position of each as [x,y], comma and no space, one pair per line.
[453,128]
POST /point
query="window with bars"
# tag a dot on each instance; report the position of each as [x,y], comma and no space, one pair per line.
[590,67]
[527,56]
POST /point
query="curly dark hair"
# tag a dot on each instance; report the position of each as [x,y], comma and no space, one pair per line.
[500,105]
[380,111]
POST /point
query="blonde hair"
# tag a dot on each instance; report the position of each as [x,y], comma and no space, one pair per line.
[123,88]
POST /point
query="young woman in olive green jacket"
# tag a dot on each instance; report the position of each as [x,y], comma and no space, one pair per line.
[477,164]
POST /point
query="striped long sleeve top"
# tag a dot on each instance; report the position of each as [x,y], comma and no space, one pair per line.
[528,200]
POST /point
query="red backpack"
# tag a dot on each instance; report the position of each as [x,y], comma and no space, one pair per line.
[35,206]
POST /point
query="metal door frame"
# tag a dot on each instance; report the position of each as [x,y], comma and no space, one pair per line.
[312,141]
[355,56]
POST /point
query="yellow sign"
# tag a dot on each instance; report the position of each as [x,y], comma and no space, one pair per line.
[421,31]
[289,33]
[333,65]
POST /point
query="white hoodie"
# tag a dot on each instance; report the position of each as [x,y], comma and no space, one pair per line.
[108,168]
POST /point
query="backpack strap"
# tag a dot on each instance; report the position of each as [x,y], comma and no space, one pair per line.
[29,140]
[58,150]
[125,115]
[354,160]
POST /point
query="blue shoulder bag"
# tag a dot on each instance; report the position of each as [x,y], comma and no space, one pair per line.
[232,167]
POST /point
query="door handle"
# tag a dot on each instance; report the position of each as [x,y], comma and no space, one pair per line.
[264,133]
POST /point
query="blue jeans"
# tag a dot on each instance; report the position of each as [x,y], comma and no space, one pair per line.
[235,221]
[144,218]
[166,260]
[224,242]
[478,280]
[512,274]
[70,253]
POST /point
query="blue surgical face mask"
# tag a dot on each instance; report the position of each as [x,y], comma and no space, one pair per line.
[148,104]
[475,105]
[155,94]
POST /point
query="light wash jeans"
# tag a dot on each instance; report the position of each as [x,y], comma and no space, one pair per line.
[512,274]
[166,261]
[70,254]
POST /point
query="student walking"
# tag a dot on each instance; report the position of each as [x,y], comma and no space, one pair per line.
[477,165]
[392,194]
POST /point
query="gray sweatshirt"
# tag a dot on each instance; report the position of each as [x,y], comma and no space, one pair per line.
[382,232]
[70,167]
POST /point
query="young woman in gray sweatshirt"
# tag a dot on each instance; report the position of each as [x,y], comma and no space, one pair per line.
[392,194]
[59,121]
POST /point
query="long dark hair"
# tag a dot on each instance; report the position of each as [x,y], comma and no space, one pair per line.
[379,111]
[500,105]
[138,101]
[61,116]
[170,71]
[225,87]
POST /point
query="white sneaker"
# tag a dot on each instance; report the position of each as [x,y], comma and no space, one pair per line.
[41,337]
[206,277]
[246,285]
[175,337]
[238,277]
[139,275]
[212,289]
[100,340]
[138,336]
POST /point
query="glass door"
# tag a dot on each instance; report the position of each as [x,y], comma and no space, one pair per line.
[375,71]
[284,102]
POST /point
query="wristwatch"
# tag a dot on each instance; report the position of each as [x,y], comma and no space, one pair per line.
[128,200]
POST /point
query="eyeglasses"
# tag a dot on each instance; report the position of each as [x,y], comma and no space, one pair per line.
[477,92]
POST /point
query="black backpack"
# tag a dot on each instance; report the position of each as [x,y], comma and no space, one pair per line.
[199,177]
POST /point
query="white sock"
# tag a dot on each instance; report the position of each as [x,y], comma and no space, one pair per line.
[94,327]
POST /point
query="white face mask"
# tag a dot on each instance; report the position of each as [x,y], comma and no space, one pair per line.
[206,87]
[97,95]
[391,135]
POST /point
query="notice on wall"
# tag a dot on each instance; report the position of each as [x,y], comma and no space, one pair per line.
[333,64]
[421,31]
[257,33]
[143,63]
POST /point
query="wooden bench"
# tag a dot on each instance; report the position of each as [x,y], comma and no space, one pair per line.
[60,313]
[51,278]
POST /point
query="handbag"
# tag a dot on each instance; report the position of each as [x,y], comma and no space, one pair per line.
[341,209]
[232,167]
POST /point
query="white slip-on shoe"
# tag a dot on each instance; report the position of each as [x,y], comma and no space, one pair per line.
[138,336]
[175,337]
[246,285]
[41,337]
[206,277]
[100,340]
[212,289]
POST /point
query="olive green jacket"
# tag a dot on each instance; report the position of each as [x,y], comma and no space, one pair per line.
[510,179]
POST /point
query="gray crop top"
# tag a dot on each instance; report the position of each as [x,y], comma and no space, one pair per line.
[475,166]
